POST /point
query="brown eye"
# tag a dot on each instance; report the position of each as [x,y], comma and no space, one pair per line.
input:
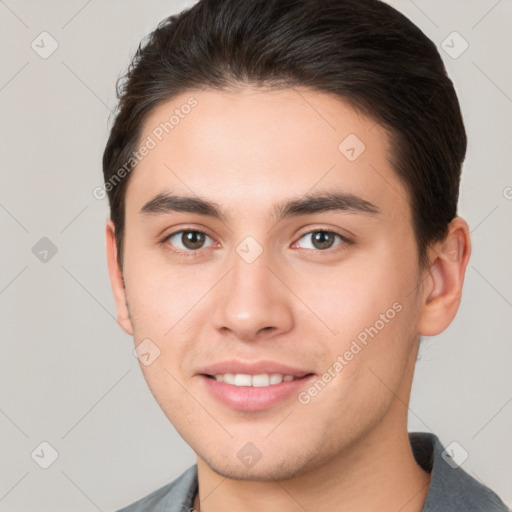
[190,240]
[320,240]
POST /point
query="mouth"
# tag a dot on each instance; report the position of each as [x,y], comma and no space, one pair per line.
[260,380]
[248,387]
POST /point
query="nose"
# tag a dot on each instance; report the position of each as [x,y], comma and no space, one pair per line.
[253,303]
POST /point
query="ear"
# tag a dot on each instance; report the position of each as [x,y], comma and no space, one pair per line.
[444,278]
[116,280]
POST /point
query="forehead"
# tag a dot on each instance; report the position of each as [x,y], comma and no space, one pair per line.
[253,146]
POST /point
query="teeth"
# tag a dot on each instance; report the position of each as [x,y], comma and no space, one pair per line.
[257,381]
[276,378]
[242,380]
[228,378]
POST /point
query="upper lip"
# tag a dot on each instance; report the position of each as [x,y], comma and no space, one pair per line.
[252,368]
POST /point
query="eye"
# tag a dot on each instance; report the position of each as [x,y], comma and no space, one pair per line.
[319,240]
[190,240]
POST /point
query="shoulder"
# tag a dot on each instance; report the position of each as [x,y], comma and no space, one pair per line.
[178,496]
[451,488]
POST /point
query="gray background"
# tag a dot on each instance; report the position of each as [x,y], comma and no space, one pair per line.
[68,375]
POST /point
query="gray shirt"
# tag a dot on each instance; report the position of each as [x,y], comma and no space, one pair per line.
[451,488]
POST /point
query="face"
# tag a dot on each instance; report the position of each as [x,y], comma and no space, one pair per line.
[268,238]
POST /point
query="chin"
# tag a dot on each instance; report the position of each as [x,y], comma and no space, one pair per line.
[266,469]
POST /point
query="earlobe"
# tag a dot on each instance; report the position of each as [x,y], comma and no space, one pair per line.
[444,279]
[116,280]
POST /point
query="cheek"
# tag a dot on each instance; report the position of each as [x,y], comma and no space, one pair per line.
[160,299]
[372,316]
[169,308]
[365,374]
[169,392]
[351,297]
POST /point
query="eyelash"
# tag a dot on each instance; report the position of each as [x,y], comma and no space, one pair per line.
[181,253]
[194,253]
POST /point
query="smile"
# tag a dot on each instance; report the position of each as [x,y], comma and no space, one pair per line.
[253,393]
[256,381]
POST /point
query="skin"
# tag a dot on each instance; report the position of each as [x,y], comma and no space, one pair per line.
[249,150]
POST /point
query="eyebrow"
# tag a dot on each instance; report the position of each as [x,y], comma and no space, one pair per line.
[309,204]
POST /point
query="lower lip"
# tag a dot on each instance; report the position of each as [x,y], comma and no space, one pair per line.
[249,398]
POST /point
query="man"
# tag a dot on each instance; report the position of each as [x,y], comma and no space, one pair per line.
[283,180]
